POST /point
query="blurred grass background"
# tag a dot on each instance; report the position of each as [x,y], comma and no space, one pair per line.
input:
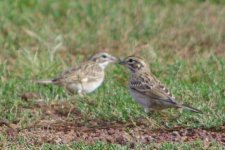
[183,41]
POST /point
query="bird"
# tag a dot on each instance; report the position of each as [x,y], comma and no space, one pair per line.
[84,78]
[147,90]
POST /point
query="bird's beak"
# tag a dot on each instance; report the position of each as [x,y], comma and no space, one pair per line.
[122,62]
[113,59]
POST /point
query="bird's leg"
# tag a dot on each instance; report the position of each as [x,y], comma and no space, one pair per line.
[80,93]
[147,110]
[81,90]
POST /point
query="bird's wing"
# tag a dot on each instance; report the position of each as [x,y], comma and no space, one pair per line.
[151,87]
[86,72]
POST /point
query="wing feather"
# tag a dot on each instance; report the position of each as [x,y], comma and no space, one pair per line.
[86,72]
[151,87]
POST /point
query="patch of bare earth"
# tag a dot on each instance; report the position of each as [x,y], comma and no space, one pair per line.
[62,124]
[64,131]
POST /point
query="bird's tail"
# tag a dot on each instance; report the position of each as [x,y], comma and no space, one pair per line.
[192,108]
[43,81]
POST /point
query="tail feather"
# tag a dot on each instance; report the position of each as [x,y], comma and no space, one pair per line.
[43,81]
[192,108]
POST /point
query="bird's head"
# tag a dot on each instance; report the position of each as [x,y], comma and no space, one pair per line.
[103,59]
[135,64]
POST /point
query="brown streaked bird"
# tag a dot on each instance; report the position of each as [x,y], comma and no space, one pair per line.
[86,77]
[147,90]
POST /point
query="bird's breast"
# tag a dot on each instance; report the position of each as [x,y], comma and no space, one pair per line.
[89,87]
[139,97]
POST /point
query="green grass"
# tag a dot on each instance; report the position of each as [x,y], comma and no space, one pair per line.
[182,41]
[99,145]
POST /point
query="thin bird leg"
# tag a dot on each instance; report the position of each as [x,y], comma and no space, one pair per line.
[80,93]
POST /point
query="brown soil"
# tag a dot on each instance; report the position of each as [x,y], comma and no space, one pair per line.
[56,127]
[64,131]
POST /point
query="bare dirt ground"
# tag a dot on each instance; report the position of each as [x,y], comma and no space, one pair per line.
[56,127]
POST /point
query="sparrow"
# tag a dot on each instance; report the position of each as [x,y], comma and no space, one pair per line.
[84,78]
[147,90]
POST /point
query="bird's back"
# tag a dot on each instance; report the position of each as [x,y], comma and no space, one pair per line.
[90,70]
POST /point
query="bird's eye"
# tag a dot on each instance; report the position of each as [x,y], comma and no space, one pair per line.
[130,60]
[104,56]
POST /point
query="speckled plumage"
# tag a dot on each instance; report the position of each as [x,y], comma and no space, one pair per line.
[84,78]
[147,90]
